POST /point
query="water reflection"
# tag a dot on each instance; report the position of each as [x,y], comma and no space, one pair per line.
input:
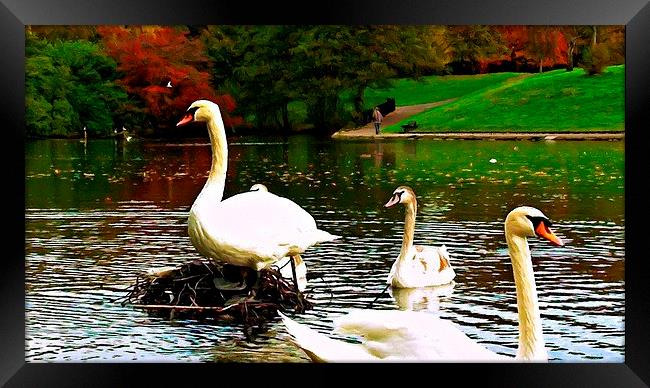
[97,214]
[425,298]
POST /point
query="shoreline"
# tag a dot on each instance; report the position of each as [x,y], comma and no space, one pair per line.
[367,132]
[611,135]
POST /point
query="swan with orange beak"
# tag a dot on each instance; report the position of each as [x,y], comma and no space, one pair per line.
[395,335]
[253,229]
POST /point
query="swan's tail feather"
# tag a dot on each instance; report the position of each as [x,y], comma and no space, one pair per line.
[323,236]
[303,337]
[442,250]
[305,240]
[321,348]
[444,256]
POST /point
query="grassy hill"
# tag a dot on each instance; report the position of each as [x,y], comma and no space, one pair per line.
[555,101]
[433,88]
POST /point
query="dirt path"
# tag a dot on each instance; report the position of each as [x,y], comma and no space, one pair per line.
[400,113]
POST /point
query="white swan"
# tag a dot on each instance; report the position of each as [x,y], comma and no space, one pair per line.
[417,265]
[253,229]
[284,264]
[414,335]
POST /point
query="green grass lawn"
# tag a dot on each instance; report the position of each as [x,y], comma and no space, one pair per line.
[433,88]
[555,101]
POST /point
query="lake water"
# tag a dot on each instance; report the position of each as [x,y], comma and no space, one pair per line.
[99,213]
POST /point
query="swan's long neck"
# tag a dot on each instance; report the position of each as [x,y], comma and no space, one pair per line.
[213,188]
[409,229]
[531,340]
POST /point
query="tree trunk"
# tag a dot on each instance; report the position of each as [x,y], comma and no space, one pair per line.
[569,62]
[358,104]
[276,120]
[286,125]
[540,65]
[593,37]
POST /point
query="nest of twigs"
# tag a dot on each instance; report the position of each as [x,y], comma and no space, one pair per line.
[205,291]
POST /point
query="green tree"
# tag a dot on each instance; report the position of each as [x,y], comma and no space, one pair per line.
[268,67]
[469,45]
[69,85]
[255,64]
[334,59]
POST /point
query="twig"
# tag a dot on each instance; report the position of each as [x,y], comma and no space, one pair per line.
[196,308]
[380,294]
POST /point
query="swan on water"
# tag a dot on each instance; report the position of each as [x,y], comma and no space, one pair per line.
[417,265]
[394,335]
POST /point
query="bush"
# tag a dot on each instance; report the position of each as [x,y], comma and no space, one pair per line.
[596,59]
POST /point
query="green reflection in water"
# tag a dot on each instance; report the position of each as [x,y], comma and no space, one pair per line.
[468,180]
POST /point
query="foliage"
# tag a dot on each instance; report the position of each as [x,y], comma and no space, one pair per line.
[69,85]
[469,45]
[322,76]
[271,67]
[255,63]
[604,51]
[150,57]
[546,45]
[551,101]
[596,59]
[68,32]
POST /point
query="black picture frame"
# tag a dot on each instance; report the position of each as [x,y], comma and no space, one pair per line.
[16,14]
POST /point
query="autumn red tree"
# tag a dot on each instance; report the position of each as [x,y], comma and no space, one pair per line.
[165,70]
[534,46]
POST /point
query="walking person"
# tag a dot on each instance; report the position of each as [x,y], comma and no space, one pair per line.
[377,119]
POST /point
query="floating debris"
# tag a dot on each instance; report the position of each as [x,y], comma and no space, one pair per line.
[493,160]
[205,291]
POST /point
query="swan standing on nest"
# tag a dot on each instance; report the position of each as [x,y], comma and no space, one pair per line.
[284,264]
[417,265]
[253,229]
[409,335]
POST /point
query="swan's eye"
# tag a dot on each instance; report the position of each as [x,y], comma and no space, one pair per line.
[398,194]
[192,110]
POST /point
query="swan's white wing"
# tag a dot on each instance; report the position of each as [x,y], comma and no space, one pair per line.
[321,348]
[431,257]
[422,267]
[262,223]
[409,335]
[259,208]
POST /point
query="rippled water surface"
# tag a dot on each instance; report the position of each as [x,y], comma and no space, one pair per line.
[97,214]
